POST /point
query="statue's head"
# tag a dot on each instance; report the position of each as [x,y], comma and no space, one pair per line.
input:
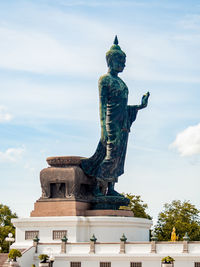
[115,57]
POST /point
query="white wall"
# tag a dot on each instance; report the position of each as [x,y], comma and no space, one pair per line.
[169,248]
[49,249]
[78,249]
[27,258]
[118,263]
[106,249]
[135,248]
[80,228]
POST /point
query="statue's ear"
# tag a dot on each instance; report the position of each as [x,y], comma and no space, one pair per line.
[109,63]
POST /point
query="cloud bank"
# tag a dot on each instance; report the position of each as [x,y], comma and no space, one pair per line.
[72,44]
[187,142]
[11,154]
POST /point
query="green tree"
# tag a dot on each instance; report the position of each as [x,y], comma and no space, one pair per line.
[6,226]
[183,216]
[137,206]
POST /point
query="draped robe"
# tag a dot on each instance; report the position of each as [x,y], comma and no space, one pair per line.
[116,119]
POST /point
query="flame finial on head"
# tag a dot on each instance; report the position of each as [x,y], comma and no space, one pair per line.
[116,40]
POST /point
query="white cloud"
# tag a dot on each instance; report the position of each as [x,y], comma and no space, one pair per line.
[35,50]
[50,101]
[11,154]
[187,142]
[4,115]
[38,52]
[160,57]
[75,44]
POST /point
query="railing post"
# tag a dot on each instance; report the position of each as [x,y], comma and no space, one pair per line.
[35,243]
[93,240]
[153,244]
[185,243]
[122,244]
[63,244]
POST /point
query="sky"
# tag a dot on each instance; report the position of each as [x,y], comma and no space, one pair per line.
[52,53]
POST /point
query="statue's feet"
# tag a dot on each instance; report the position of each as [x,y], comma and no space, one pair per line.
[112,192]
[97,192]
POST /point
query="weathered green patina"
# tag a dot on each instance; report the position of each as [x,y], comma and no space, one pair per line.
[116,116]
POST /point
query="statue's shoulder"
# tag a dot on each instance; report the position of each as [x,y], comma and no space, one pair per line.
[105,80]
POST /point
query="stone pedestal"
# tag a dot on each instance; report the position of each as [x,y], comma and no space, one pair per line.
[66,190]
[67,183]
[59,207]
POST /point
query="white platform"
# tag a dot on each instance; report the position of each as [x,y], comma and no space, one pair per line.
[80,229]
[108,231]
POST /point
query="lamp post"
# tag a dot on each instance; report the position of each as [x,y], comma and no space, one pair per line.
[51,260]
[9,239]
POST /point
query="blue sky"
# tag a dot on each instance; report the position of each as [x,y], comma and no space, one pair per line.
[52,54]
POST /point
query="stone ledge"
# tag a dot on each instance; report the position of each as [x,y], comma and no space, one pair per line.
[66,199]
[63,161]
[122,213]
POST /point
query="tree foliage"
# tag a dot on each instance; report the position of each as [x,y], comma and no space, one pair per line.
[183,216]
[138,206]
[6,215]
[6,226]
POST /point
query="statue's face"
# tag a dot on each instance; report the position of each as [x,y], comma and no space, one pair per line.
[118,63]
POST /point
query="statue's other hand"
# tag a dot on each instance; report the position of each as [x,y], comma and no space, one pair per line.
[144,101]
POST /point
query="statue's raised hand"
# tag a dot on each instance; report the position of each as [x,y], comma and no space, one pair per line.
[144,100]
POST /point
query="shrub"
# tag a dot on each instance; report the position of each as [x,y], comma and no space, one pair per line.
[168,259]
[43,258]
[14,254]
